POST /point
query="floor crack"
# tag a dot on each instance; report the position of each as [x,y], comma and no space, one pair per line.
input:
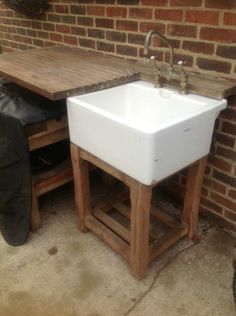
[151,286]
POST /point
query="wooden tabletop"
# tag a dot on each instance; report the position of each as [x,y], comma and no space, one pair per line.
[58,72]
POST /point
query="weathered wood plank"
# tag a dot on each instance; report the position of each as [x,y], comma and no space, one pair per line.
[114,225]
[58,72]
[193,195]
[105,234]
[81,187]
[52,179]
[163,217]
[167,241]
[140,196]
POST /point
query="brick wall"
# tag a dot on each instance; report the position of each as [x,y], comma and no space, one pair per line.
[203,33]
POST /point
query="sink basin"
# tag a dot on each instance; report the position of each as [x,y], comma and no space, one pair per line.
[148,133]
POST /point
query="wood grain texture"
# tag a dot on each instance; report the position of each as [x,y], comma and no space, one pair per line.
[193,195]
[59,72]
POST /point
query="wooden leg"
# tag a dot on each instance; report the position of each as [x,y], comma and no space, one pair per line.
[35,215]
[81,183]
[140,196]
[192,196]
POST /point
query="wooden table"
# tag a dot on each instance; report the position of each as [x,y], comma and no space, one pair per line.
[59,72]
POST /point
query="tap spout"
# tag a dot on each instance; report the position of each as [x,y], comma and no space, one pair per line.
[164,39]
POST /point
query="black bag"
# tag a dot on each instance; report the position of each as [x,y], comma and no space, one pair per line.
[15,181]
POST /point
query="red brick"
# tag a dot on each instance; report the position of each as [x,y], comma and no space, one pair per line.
[37,42]
[56,37]
[54,18]
[42,34]
[221,4]
[126,50]
[119,12]
[227,51]
[230,215]
[140,13]
[198,47]
[232,100]
[104,46]
[105,23]
[84,42]
[218,34]
[186,3]
[59,8]
[61,28]
[225,139]
[115,36]
[86,21]
[214,65]
[229,128]
[68,19]
[171,15]
[77,9]
[182,30]
[128,2]
[76,30]
[200,16]
[147,26]
[36,25]
[21,31]
[96,33]
[221,200]
[27,40]
[48,26]
[229,18]
[105,1]
[31,33]
[72,40]
[214,185]
[127,25]
[219,163]
[94,10]
[229,113]
[155,2]
[213,206]
[226,153]
[136,39]
[232,194]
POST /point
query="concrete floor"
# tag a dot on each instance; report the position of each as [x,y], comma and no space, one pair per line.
[61,272]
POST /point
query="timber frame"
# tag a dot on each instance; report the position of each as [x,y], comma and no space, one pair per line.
[41,135]
[134,244]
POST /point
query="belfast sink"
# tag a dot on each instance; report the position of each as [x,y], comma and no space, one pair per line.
[148,133]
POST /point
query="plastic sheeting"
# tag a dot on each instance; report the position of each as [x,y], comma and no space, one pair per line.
[18,108]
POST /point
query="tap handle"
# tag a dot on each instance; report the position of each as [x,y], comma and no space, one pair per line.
[153,57]
[180,64]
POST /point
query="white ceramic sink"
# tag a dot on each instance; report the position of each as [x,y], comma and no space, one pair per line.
[148,133]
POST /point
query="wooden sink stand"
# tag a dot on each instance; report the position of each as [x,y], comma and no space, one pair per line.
[133,244]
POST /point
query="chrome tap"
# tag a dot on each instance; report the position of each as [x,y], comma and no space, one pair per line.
[164,39]
[173,72]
